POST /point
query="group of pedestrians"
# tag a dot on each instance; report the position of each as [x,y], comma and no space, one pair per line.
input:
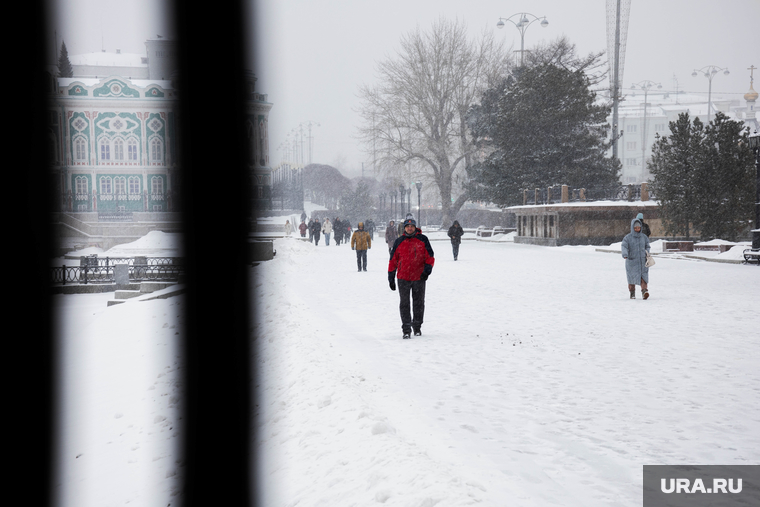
[412,259]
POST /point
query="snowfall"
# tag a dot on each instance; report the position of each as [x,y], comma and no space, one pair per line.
[536,381]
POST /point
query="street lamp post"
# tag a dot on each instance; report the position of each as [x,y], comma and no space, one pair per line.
[419,202]
[644,85]
[754,144]
[522,25]
[402,191]
[709,72]
[409,200]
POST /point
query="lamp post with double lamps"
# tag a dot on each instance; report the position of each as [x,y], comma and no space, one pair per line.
[644,85]
[522,26]
[709,72]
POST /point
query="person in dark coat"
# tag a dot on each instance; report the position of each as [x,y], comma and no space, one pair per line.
[316,231]
[634,249]
[338,230]
[411,262]
[371,227]
[455,233]
[391,233]
[310,226]
[644,226]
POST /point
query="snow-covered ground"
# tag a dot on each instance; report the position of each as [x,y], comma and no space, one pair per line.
[536,381]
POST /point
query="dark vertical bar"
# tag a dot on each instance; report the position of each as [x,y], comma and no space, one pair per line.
[216,207]
[27,331]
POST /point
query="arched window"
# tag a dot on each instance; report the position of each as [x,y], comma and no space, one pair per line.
[156,151]
[105,150]
[156,185]
[132,149]
[81,185]
[106,185]
[118,149]
[120,185]
[134,185]
[80,149]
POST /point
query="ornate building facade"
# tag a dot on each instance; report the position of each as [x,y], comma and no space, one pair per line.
[115,143]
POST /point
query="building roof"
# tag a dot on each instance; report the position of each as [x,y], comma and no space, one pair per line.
[104,59]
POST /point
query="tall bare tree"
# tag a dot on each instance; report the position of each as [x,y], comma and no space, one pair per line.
[416,114]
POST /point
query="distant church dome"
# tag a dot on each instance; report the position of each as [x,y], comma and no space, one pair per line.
[751,94]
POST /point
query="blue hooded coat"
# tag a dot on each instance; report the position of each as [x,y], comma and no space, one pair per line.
[634,249]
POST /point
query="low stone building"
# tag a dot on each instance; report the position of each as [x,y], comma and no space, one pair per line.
[583,223]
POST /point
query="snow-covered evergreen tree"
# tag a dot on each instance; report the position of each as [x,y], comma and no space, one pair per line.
[541,126]
[703,177]
[64,65]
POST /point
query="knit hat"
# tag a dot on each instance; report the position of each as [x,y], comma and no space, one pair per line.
[640,216]
[410,221]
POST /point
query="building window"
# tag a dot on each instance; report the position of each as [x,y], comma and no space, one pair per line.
[120,185]
[105,185]
[118,149]
[156,185]
[105,151]
[630,128]
[132,150]
[631,161]
[660,127]
[134,185]
[156,151]
[80,149]
[631,145]
[80,185]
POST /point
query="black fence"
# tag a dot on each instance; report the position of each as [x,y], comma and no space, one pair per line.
[553,195]
[141,269]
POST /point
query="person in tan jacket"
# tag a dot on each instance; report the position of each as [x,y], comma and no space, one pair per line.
[361,241]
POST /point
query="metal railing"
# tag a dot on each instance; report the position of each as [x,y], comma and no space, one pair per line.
[141,269]
[553,195]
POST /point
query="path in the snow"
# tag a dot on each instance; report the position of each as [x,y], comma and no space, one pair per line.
[536,381]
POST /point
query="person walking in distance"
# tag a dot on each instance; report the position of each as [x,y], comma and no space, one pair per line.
[327,230]
[411,263]
[302,229]
[361,241]
[391,234]
[455,233]
[634,249]
[338,228]
[644,226]
[316,231]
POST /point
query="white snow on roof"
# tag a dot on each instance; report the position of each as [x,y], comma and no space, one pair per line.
[589,204]
[102,59]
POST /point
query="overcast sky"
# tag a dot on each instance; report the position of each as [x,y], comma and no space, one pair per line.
[313,54]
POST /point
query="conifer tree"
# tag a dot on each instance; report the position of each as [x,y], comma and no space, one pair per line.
[703,177]
[542,126]
[64,65]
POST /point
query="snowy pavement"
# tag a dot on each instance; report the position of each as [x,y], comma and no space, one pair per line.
[536,381]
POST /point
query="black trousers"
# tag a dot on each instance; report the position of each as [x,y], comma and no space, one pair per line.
[417,291]
[361,258]
[455,249]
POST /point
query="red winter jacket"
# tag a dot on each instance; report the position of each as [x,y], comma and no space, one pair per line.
[410,257]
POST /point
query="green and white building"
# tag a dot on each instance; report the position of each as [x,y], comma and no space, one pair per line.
[114,137]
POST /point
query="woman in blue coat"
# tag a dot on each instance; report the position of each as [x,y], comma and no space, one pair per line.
[635,247]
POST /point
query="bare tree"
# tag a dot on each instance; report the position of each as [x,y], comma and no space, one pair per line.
[416,115]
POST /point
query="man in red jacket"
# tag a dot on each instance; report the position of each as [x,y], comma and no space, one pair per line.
[411,262]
